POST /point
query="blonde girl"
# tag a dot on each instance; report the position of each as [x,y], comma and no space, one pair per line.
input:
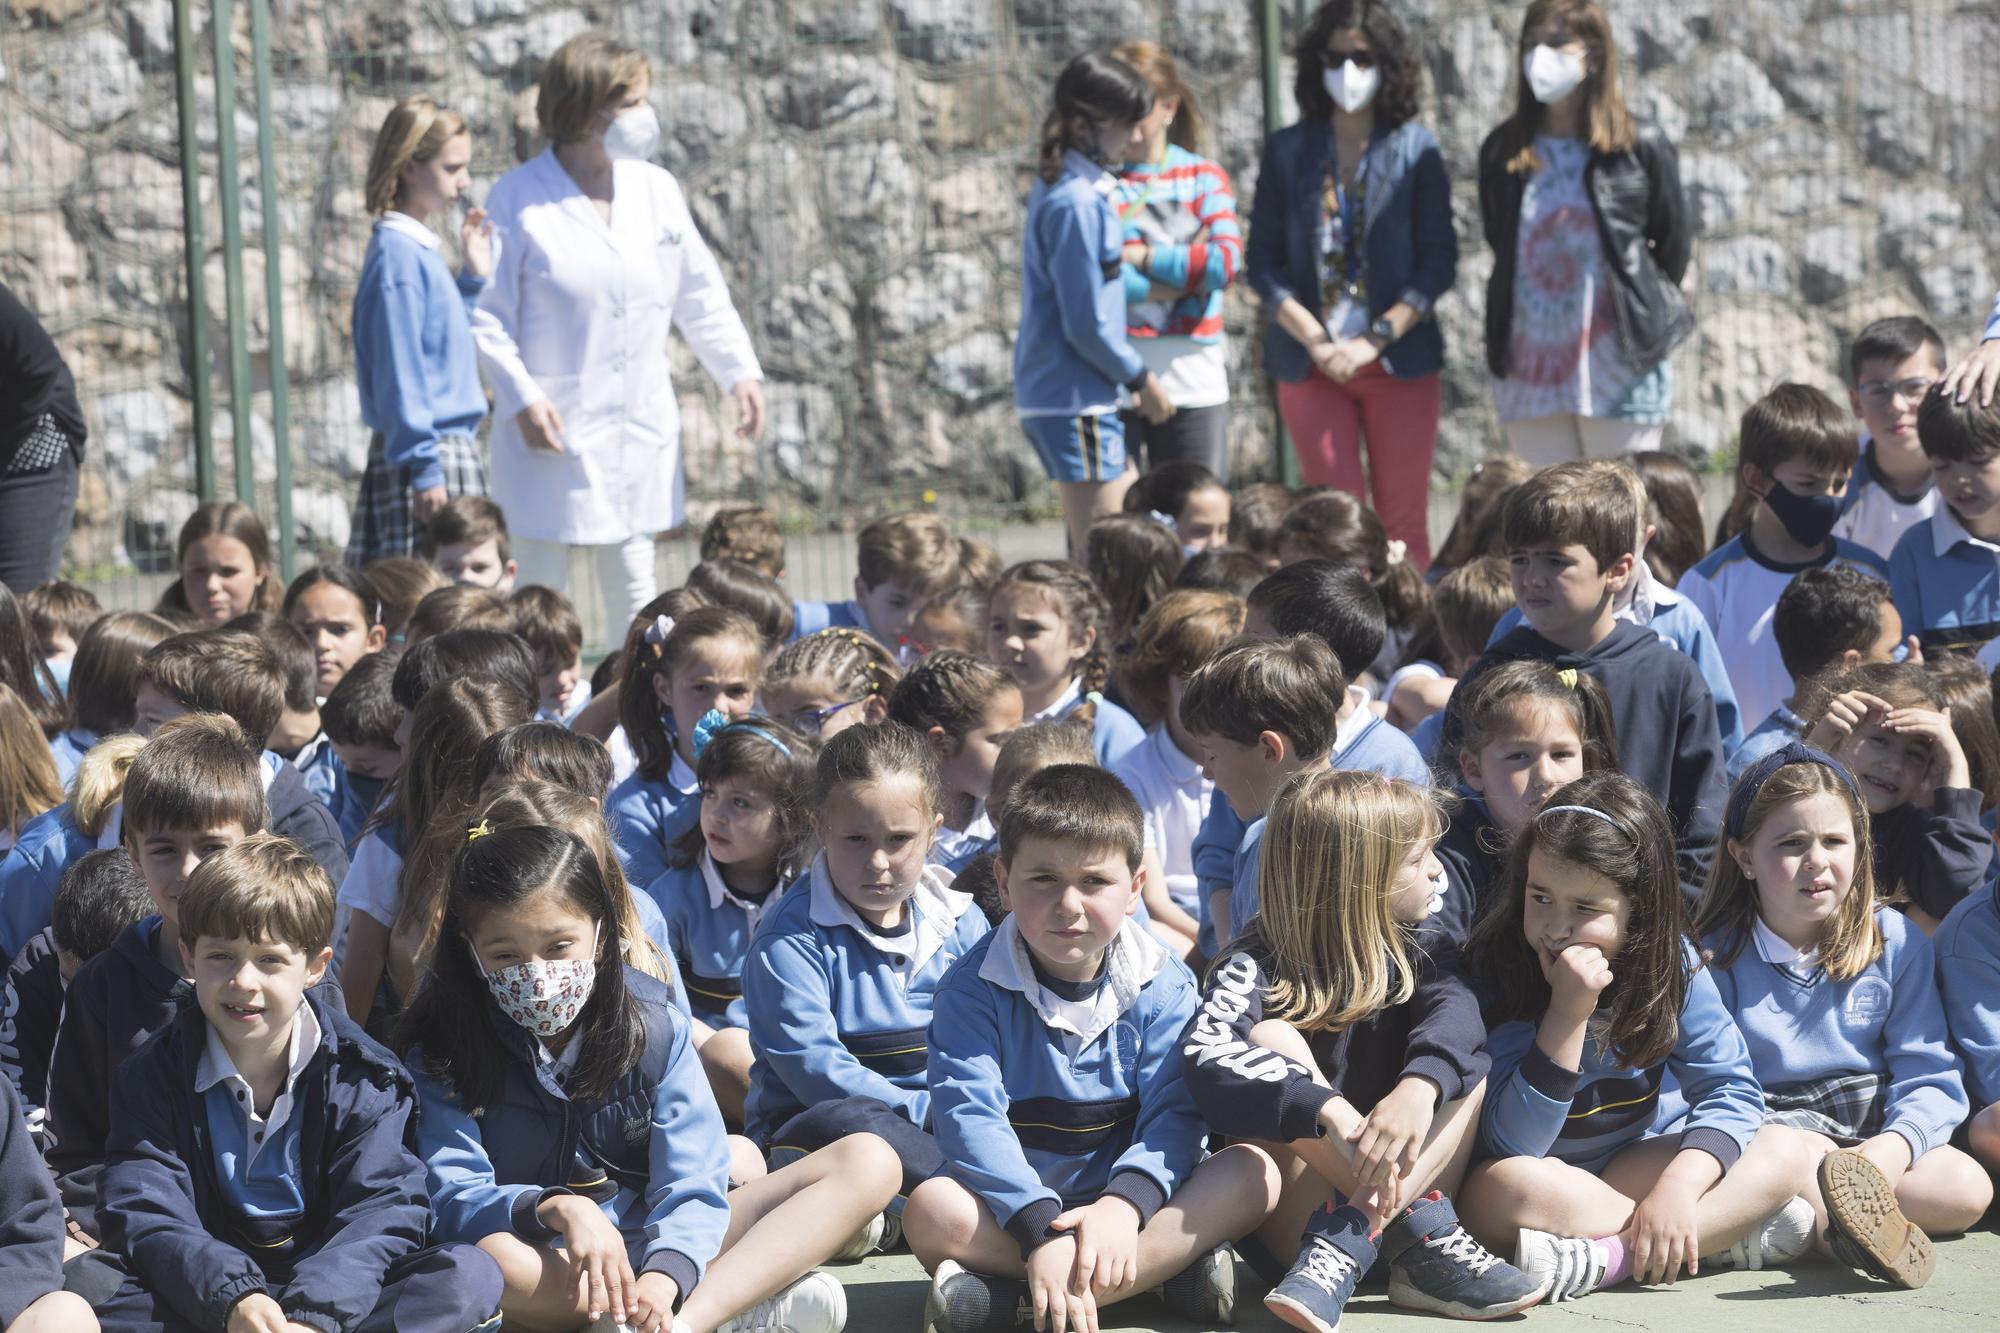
[1837,999]
[1340,1035]
[28,784]
[413,352]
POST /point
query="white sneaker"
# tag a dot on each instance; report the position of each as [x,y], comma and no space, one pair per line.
[1785,1235]
[815,1303]
[863,1242]
[1571,1268]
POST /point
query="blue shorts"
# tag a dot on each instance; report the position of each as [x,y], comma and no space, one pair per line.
[1084,448]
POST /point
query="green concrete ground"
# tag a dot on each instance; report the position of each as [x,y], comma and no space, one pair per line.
[886,1295]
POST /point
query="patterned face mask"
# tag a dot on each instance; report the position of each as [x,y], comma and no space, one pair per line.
[542,995]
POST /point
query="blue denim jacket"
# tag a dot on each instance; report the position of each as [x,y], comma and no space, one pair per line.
[1409,250]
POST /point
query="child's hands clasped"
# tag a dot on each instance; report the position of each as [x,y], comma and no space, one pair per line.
[1057,1309]
[1107,1246]
[257,1313]
[1576,977]
[1386,1142]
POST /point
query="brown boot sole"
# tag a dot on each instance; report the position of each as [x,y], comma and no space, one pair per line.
[1862,1203]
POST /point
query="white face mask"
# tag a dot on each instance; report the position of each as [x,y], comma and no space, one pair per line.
[1351,87]
[1552,74]
[633,134]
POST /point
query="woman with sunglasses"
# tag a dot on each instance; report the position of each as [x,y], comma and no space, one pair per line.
[1590,232]
[1350,246]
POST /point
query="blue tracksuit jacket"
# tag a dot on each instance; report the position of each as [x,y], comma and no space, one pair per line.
[839,1010]
[708,934]
[1041,1106]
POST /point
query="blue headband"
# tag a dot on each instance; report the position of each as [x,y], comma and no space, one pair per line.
[1754,777]
[714,722]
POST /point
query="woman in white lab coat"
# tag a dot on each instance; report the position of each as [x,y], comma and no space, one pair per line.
[598,258]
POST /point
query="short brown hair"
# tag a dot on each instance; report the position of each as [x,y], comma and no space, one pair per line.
[229,671]
[1592,504]
[749,533]
[549,624]
[1039,745]
[1958,432]
[60,605]
[1469,602]
[294,654]
[916,549]
[1291,686]
[1256,512]
[362,710]
[589,74]
[468,520]
[1797,421]
[459,606]
[198,772]
[1184,629]
[265,887]
[104,677]
[402,581]
[1078,804]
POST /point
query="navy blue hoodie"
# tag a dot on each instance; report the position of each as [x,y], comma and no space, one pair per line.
[32,1006]
[116,1001]
[1473,854]
[31,1217]
[1934,855]
[1665,718]
[301,816]
[165,1210]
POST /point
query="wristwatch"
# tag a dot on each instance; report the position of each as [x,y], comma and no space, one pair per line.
[1382,333]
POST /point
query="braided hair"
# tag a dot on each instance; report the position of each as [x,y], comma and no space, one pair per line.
[1083,611]
[851,663]
[947,689]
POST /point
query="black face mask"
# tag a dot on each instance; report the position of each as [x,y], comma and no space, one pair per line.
[1808,519]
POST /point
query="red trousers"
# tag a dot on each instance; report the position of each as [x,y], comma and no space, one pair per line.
[1394,421]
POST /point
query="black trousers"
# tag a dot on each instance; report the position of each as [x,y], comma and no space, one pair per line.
[35,512]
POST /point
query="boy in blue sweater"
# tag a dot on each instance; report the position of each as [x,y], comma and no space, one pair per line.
[1257,712]
[1075,1174]
[1796,452]
[1943,568]
[1569,532]
[192,792]
[1337,605]
[1968,963]
[260,1175]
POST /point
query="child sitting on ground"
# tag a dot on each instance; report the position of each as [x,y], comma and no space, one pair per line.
[965,708]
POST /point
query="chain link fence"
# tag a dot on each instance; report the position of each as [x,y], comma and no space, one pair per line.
[859,167]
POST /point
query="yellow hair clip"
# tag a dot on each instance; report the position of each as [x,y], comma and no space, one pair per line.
[479,830]
[1568,677]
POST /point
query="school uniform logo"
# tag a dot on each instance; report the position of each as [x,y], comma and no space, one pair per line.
[1867,1002]
[636,1127]
[1125,1046]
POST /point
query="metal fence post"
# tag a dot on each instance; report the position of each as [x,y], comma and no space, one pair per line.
[1271,29]
[229,197]
[274,285]
[196,244]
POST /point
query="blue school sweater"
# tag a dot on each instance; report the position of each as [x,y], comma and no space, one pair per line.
[1536,1108]
[812,617]
[838,1009]
[1373,746]
[33,869]
[69,748]
[1946,583]
[317,763]
[1888,1020]
[1968,964]
[1679,623]
[414,360]
[652,1152]
[175,1188]
[1243,876]
[647,816]
[31,1217]
[1071,355]
[115,1003]
[708,932]
[1043,1104]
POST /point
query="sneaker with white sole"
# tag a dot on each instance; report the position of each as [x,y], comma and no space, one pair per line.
[1436,1265]
[962,1301]
[1336,1252]
[1568,1267]
[1785,1235]
[1204,1293]
[816,1303]
[1866,1229]
[863,1242]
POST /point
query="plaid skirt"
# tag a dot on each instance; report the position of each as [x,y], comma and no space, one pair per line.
[1847,1108]
[382,524]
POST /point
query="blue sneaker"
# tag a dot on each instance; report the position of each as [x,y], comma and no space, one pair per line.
[1336,1252]
[1436,1265]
